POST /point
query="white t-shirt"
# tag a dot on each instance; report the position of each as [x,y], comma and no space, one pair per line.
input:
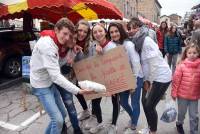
[154,66]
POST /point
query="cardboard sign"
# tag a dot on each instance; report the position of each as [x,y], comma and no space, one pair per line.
[111,69]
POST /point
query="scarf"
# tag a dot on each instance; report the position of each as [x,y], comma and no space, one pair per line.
[104,44]
[138,38]
[51,33]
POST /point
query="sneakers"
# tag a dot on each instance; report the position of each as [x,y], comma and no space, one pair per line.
[180,129]
[91,122]
[144,131]
[96,128]
[130,131]
[84,115]
[131,126]
[112,129]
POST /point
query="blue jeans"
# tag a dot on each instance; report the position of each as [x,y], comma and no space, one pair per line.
[67,98]
[53,105]
[135,100]
[124,103]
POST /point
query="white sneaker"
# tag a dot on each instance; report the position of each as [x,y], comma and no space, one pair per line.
[144,131]
[130,125]
[130,131]
[112,129]
[96,128]
[91,122]
[84,115]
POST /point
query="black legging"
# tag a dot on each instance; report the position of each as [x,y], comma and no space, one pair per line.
[116,108]
[82,101]
[163,52]
[149,103]
[96,109]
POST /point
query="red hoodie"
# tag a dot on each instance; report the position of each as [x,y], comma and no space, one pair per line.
[51,33]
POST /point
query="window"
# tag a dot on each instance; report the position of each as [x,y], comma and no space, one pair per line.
[127,6]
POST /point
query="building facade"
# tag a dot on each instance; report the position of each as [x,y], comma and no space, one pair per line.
[127,7]
[149,9]
[175,18]
[166,19]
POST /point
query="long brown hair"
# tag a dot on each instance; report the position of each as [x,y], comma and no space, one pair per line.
[87,38]
[165,30]
[123,33]
[171,33]
[190,45]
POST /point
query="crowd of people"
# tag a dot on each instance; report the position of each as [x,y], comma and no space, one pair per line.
[54,83]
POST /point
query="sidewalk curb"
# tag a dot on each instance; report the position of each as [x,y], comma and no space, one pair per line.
[10,83]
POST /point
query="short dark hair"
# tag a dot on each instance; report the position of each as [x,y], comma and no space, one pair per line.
[123,33]
[65,22]
[135,22]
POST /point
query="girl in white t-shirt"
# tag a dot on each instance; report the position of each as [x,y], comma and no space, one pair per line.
[157,74]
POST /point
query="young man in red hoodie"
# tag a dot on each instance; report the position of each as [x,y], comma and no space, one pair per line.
[45,71]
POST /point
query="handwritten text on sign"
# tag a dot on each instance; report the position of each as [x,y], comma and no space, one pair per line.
[111,69]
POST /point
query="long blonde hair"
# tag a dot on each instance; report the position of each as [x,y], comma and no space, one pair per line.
[87,38]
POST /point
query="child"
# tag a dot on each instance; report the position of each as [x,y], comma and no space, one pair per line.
[186,88]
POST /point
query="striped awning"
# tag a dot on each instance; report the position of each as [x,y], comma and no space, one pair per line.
[53,10]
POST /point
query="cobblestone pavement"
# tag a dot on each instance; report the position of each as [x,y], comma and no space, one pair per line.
[15,120]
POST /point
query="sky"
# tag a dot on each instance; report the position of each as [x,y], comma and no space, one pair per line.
[177,6]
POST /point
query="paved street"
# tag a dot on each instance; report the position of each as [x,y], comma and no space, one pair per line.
[14,120]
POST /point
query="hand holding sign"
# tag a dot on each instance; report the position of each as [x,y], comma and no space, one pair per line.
[86,91]
[111,69]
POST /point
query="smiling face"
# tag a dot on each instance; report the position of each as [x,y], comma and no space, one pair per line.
[82,32]
[71,42]
[99,33]
[132,30]
[114,33]
[173,29]
[63,35]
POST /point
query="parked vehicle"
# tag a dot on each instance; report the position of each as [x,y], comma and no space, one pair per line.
[14,43]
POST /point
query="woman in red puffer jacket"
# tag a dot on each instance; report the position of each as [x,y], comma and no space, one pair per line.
[186,88]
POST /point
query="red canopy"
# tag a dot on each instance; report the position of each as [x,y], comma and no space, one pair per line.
[53,10]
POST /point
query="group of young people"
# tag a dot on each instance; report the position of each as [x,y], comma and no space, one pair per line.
[153,75]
